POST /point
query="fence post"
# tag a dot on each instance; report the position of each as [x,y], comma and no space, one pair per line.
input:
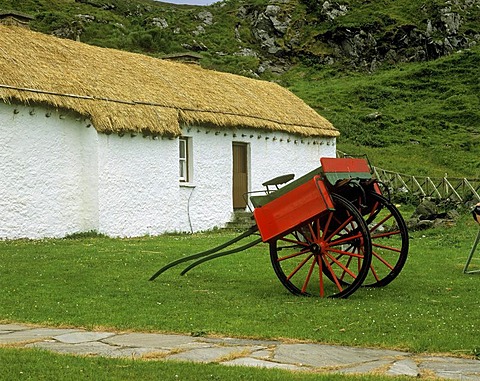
[419,186]
[472,189]
[448,185]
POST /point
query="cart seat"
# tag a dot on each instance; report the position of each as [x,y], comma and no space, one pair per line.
[279,180]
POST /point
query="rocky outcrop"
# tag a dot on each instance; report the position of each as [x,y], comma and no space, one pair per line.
[430,213]
[268,26]
[363,47]
[279,32]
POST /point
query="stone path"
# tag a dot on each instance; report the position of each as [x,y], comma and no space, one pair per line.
[230,351]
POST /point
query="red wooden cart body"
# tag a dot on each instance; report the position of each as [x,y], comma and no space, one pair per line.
[292,209]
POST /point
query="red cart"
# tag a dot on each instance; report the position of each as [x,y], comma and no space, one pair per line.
[329,232]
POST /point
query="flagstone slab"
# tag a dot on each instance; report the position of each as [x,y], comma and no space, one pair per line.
[364,367]
[151,340]
[452,368]
[33,334]
[406,367]
[93,349]
[263,354]
[319,355]
[212,354]
[82,337]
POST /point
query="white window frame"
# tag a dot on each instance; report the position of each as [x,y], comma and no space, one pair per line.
[185,170]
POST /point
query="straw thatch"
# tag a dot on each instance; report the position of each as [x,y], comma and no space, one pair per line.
[121,91]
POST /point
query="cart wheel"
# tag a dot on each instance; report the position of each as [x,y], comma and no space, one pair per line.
[389,236]
[329,256]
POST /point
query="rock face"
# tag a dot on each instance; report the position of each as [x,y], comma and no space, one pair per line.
[363,47]
[268,26]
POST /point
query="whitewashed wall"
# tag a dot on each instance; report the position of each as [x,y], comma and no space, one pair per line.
[59,176]
[45,186]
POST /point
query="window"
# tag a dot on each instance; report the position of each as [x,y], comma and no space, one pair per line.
[184,160]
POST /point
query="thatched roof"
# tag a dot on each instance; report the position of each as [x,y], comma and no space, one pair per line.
[121,91]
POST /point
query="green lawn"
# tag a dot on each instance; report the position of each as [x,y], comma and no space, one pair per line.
[103,283]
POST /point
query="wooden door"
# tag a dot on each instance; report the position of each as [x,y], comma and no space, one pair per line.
[240,175]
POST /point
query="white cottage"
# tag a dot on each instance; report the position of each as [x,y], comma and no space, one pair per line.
[129,145]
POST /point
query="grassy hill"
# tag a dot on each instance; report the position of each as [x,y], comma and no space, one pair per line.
[412,117]
[416,118]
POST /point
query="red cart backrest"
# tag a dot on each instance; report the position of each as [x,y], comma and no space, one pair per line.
[345,168]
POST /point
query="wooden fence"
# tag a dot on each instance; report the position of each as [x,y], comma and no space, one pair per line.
[458,189]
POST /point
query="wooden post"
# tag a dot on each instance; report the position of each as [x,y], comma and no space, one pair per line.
[476,217]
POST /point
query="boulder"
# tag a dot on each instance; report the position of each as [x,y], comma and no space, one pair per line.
[427,210]
[206,17]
